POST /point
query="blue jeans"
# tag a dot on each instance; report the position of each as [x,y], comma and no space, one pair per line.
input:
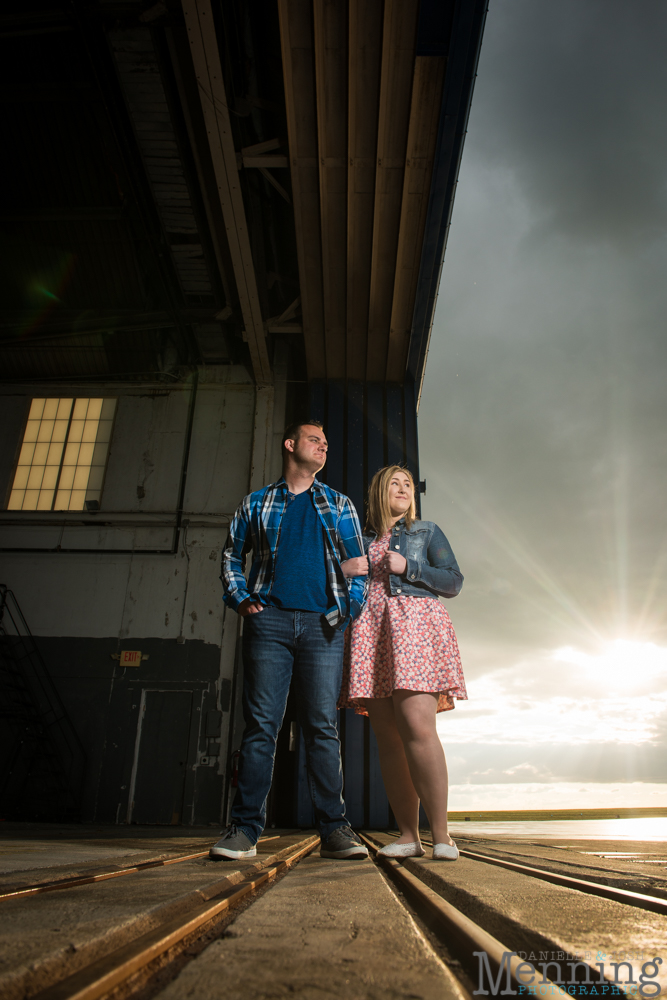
[277,645]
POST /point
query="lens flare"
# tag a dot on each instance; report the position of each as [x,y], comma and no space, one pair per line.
[45,292]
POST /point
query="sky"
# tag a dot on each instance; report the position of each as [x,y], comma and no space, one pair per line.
[543,422]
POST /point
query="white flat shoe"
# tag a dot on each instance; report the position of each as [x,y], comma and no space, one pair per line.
[402,851]
[445,852]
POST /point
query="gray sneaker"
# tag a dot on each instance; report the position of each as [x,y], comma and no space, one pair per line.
[232,844]
[343,843]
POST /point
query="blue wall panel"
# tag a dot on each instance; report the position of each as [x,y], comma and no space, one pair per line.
[375,429]
[317,394]
[368,425]
[354,768]
[355,481]
[394,426]
[334,426]
[378,806]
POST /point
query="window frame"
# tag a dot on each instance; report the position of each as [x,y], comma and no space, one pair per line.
[88,433]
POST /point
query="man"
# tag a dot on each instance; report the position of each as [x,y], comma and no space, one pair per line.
[296,605]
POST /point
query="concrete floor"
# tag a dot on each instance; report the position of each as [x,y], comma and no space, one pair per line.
[46,935]
[15,856]
[26,847]
[640,861]
[326,929]
[533,916]
[329,929]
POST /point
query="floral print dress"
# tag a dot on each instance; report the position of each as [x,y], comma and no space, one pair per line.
[400,642]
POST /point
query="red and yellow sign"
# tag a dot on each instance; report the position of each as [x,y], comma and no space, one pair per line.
[130,658]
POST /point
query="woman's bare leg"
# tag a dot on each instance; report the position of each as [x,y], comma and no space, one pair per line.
[414,714]
[395,771]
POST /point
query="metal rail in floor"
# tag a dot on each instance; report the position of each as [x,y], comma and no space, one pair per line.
[71,882]
[639,899]
[461,936]
[100,977]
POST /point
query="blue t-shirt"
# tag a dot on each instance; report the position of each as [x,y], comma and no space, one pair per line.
[300,575]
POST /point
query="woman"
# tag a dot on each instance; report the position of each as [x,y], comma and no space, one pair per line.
[402,662]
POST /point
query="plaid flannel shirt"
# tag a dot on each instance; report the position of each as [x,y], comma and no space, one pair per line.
[256,526]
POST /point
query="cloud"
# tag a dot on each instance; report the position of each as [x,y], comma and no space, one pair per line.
[523,772]
[542,424]
[570,100]
[485,763]
[615,694]
[565,795]
[525,768]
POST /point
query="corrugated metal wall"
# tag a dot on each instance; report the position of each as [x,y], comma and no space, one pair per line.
[368,425]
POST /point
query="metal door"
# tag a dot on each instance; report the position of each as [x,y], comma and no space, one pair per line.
[158,779]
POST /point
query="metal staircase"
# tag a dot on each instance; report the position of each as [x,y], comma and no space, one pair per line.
[42,761]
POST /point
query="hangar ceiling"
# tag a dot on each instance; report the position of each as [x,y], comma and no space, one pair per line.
[196,182]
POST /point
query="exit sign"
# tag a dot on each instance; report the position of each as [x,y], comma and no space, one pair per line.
[130,658]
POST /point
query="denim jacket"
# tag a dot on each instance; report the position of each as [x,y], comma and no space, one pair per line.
[432,570]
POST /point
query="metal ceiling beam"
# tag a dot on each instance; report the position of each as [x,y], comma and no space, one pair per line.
[365,53]
[145,91]
[422,135]
[296,35]
[206,60]
[193,125]
[330,24]
[398,54]
[155,268]
[81,322]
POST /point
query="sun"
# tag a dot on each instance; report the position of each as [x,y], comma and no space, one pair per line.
[622,663]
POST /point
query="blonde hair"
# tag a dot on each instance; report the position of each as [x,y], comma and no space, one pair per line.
[379,512]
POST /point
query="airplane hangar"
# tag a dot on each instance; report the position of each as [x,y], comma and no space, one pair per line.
[217,216]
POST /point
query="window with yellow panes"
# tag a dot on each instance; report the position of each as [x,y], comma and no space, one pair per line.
[64,454]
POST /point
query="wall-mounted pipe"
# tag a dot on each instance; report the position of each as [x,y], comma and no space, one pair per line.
[185,460]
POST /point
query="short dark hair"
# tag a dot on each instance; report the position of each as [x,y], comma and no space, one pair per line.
[292,431]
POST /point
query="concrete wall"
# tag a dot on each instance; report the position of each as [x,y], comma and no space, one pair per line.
[93,585]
